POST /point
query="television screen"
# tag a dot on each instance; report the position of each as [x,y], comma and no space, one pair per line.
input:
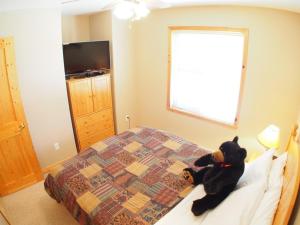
[86,56]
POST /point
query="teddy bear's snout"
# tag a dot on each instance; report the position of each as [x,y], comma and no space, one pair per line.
[218,156]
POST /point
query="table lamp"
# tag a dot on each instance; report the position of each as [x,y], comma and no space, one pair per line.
[269,137]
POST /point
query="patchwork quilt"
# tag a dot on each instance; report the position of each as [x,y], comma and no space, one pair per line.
[130,179]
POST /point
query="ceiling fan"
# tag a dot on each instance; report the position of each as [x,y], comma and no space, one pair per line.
[122,9]
[136,9]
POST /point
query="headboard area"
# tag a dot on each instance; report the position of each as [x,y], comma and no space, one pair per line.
[291,181]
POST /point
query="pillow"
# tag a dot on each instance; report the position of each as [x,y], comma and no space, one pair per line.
[267,208]
[277,170]
[257,169]
[247,196]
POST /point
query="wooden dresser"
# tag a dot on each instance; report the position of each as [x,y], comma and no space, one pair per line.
[91,109]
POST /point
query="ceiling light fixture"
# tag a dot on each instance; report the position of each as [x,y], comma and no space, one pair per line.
[134,10]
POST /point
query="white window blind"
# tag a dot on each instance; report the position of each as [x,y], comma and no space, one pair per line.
[206,71]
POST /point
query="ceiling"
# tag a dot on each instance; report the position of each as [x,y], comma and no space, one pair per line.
[75,7]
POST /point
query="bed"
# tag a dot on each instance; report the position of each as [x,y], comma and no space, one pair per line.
[135,179]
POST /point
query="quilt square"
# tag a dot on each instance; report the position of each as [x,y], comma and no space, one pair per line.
[78,184]
[133,146]
[187,150]
[102,218]
[152,144]
[99,146]
[68,172]
[88,202]
[137,202]
[125,158]
[56,170]
[177,167]
[165,197]
[103,190]
[172,144]
[110,152]
[90,170]
[137,186]
[100,179]
[175,182]
[137,168]
[124,179]
[185,192]
[163,152]
[153,176]
[124,218]
[149,160]
[153,212]
[114,169]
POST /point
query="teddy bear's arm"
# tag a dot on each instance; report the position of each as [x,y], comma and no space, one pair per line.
[204,160]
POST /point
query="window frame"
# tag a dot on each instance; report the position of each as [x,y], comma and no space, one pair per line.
[245,33]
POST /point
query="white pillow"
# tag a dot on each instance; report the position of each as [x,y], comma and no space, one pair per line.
[277,170]
[240,206]
[257,169]
[267,208]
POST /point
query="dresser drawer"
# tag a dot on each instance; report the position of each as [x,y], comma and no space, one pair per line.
[87,131]
[97,117]
[93,138]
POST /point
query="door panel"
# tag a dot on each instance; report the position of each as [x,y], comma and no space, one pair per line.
[102,93]
[18,163]
[81,95]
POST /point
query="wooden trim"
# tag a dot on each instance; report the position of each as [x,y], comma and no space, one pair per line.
[4,216]
[47,169]
[245,33]
[182,112]
[13,190]
[291,180]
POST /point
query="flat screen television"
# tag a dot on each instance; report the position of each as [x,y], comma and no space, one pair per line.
[83,57]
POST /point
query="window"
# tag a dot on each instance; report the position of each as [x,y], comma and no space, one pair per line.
[206,72]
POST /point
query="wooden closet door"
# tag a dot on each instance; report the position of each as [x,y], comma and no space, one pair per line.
[18,163]
[80,92]
[102,92]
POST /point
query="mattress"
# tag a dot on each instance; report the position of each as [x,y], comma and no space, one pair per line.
[131,179]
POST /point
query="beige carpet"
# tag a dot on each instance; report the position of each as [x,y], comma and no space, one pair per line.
[33,206]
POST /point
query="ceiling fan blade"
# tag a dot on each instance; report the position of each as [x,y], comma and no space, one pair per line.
[68,1]
[157,4]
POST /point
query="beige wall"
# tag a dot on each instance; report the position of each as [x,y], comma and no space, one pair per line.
[75,28]
[103,26]
[125,85]
[271,94]
[37,35]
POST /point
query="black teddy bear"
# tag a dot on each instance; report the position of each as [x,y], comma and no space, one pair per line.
[221,172]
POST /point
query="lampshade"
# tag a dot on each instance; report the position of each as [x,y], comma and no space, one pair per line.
[269,137]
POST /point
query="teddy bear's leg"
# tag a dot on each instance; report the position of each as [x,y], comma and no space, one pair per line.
[209,202]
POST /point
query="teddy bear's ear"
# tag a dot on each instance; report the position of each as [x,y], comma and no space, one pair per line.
[235,139]
[243,153]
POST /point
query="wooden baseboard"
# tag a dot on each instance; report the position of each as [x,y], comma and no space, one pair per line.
[5,218]
[13,190]
[47,169]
